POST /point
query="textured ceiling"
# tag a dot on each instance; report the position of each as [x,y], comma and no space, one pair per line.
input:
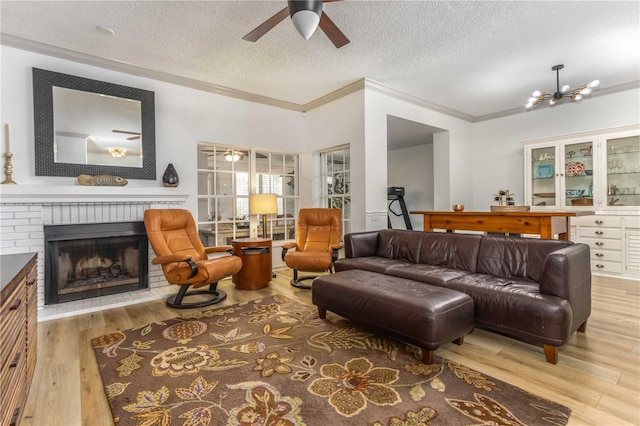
[477,58]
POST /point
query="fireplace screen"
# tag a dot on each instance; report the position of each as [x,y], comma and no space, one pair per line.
[91,260]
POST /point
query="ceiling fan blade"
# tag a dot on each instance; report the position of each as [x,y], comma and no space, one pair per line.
[267,25]
[332,31]
[126,131]
[133,138]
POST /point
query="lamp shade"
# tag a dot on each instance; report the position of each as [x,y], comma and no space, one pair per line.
[263,204]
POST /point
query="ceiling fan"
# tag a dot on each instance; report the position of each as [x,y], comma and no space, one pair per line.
[136,135]
[232,155]
[301,13]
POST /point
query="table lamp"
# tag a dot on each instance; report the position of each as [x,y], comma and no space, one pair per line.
[263,204]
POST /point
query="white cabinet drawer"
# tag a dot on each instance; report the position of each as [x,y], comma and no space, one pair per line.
[606,267]
[604,221]
[602,244]
[587,231]
[599,255]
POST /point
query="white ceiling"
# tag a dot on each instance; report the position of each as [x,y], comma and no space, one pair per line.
[477,58]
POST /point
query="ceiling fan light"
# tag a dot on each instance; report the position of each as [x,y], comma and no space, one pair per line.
[306,22]
[594,83]
[529,104]
[586,91]
[537,93]
[552,101]
[233,156]
[577,97]
[565,88]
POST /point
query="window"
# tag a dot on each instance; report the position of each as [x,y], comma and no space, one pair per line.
[226,177]
[335,181]
[277,173]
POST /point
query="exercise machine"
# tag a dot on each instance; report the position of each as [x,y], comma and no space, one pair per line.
[396,194]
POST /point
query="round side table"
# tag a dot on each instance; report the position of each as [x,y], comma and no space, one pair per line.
[256,263]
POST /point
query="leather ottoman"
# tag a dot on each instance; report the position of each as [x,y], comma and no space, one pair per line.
[417,313]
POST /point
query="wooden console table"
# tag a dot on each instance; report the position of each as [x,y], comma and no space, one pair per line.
[547,224]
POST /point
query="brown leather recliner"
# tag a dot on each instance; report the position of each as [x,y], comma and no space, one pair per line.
[173,235]
[318,234]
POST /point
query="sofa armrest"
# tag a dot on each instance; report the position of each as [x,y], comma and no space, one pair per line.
[567,274]
[361,244]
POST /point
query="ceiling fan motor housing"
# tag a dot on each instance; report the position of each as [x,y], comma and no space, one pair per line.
[305,15]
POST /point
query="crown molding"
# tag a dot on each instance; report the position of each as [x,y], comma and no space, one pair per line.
[361,84]
[113,65]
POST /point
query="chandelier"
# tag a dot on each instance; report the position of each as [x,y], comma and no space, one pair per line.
[561,92]
[117,152]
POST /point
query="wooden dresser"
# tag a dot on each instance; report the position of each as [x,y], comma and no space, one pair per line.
[18,331]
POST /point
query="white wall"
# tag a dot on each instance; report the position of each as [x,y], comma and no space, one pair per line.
[452,164]
[411,168]
[183,117]
[339,123]
[498,156]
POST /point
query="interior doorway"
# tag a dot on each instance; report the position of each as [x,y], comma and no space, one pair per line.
[410,164]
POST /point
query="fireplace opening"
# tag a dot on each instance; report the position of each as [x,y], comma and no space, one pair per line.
[95,259]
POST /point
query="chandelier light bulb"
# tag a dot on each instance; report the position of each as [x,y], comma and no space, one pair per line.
[578,97]
[531,100]
[594,83]
[529,104]
[536,93]
[586,91]
[565,88]
[552,101]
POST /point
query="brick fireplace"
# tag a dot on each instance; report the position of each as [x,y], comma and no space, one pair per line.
[27,209]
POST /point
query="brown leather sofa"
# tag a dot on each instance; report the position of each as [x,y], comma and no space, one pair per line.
[536,290]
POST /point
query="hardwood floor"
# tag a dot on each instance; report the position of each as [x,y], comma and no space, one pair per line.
[597,375]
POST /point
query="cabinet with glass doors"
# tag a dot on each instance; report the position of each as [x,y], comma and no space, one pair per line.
[593,171]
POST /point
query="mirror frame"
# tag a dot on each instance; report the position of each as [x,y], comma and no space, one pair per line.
[43,83]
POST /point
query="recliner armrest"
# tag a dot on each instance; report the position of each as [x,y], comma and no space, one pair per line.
[171,258]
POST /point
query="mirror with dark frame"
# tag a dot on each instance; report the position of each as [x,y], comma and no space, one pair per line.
[85,126]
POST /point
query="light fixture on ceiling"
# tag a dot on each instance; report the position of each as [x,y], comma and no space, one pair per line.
[233,156]
[561,92]
[305,15]
[117,152]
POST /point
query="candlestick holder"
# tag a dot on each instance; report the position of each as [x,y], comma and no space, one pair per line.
[8,169]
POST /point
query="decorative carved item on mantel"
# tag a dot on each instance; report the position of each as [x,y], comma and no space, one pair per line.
[102,180]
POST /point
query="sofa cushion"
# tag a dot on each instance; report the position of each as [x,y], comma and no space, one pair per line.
[516,307]
[400,244]
[457,251]
[378,264]
[515,257]
[429,274]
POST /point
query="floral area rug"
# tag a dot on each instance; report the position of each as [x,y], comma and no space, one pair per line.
[272,361]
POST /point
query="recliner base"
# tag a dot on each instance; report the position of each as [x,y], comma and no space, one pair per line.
[175,301]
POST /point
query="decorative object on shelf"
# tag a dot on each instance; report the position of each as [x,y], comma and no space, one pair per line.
[458,207]
[546,156]
[570,154]
[561,92]
[574,168]
[8,167]
[506,202]
[585,201]
[544,170]
[574,193]
[170,177]
[102,180]
[263,204]
[586,151]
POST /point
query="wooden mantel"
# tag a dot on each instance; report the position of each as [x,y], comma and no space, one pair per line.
[547,224]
